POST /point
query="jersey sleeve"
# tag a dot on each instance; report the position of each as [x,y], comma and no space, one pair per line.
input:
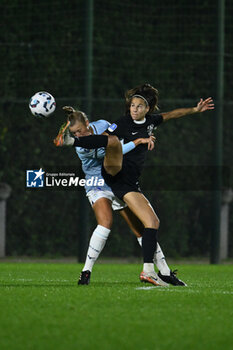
[127,147]
[105,123]
[100,126]
[157,119]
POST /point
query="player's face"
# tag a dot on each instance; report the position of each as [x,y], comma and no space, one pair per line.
[79,129]
[138,108]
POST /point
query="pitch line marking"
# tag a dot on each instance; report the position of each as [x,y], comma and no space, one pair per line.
[164,289]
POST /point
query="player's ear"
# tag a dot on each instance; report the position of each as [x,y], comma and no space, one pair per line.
[87,123]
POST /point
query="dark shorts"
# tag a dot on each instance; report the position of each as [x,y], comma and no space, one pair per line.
[122,183]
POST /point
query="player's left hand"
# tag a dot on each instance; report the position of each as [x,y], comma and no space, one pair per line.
[151,143]
[204,105]
[149,140]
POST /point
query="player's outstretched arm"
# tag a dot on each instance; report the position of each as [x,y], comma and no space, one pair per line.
[202,106]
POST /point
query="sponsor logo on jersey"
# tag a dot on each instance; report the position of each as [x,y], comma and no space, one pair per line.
[112,127]
[150,129]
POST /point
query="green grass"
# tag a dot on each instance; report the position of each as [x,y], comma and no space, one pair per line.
[41,307]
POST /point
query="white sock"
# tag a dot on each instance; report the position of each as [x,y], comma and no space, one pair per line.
[148,267]
[139,241]
[160,261]
[96,245]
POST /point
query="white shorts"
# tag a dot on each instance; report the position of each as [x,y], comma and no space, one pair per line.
[94,195]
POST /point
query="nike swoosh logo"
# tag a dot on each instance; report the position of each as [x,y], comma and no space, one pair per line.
[134,133]
[90,257]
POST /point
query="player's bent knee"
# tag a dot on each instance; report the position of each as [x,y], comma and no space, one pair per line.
[152,223]
[113,141]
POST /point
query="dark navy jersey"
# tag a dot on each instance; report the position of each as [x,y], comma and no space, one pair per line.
[127,130]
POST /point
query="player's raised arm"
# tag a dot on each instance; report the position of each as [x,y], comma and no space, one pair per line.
[202,106]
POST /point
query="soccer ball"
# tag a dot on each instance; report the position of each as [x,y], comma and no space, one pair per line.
[42,104]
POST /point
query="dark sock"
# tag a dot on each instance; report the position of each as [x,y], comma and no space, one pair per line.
[92,141]
[149,243]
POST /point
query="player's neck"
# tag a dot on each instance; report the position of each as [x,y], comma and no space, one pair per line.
[140,121]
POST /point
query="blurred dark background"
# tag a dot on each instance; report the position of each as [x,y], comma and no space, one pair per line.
[171,45]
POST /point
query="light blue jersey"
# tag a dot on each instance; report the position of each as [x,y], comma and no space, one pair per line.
[92,159]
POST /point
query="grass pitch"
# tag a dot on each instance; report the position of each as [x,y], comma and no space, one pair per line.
[41,307]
